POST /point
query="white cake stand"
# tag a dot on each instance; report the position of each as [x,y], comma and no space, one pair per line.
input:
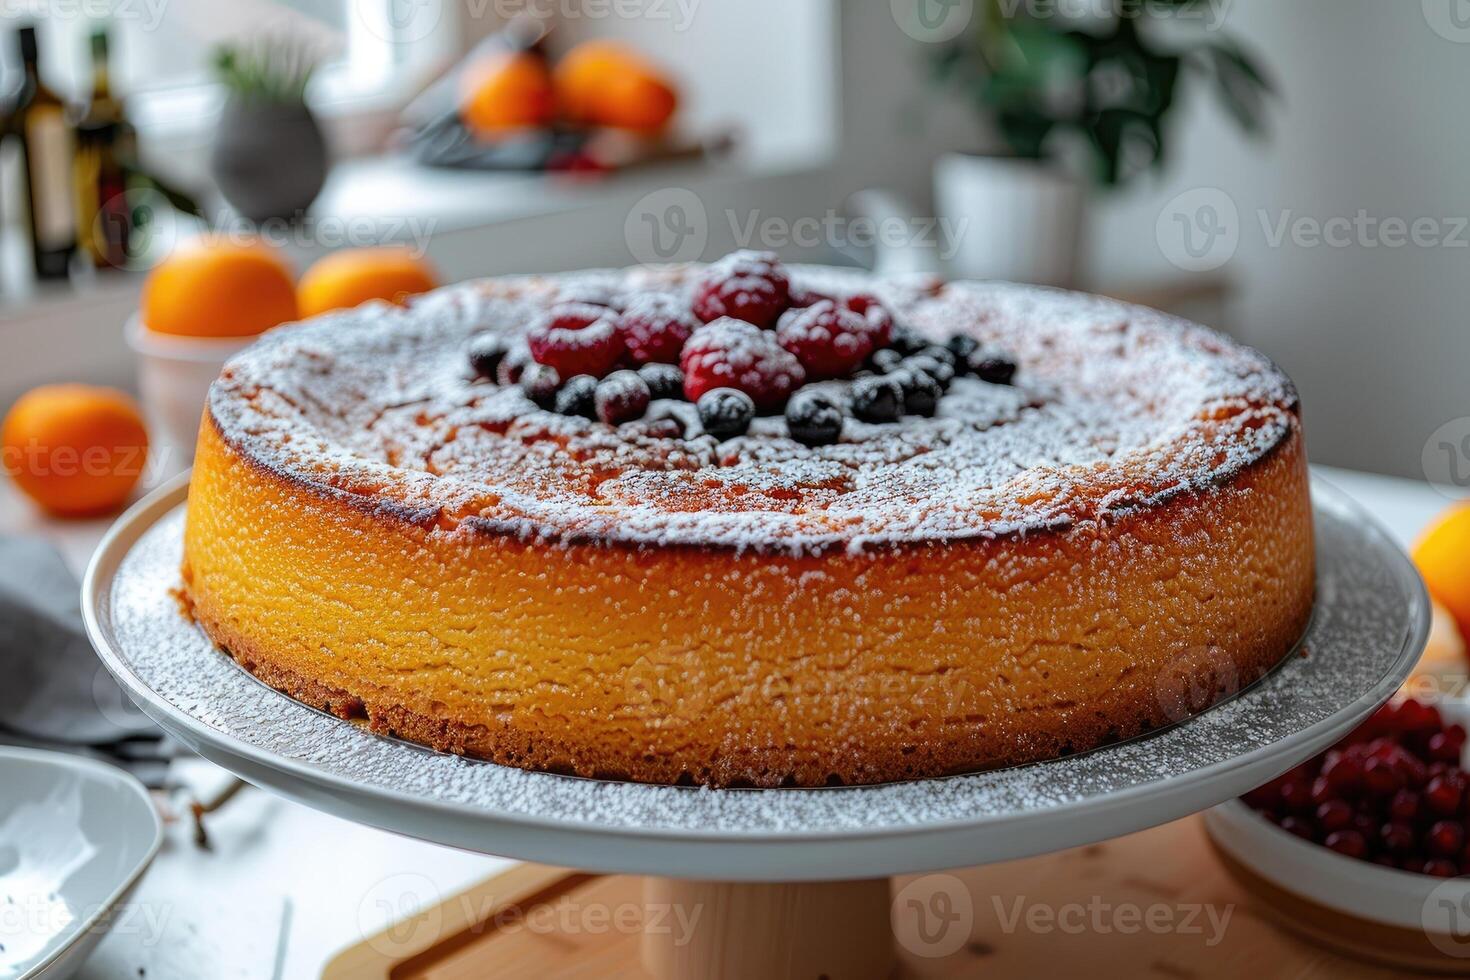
[1369,625]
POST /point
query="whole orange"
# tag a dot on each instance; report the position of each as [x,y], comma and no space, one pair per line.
[1443,556]
[217,288]
[76,450]
[604,83]
[506,90]
[353,276]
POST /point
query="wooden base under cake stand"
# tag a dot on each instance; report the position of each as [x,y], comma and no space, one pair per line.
[1153,904]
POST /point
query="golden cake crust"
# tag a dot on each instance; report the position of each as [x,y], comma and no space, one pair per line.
[728,613]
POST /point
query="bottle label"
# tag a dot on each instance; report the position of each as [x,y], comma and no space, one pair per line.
[50,146]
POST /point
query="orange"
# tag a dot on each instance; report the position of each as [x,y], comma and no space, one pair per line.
[76,450]
[603,83]
[1443,556]
[507,90]
[216,288]
[353,276]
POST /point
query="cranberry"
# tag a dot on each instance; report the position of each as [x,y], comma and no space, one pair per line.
[1380,777]
[1446,837]
[1404,805]
[1334,815]
[654,328]
[1443,794]
[828,340]
[1343,772]
[735,354]
[749,286]
[1298,826]
[1347,842]
[576,338]
[1440,868]
[1445,747]
[1397,837]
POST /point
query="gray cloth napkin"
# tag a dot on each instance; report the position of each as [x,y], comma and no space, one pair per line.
[53,689]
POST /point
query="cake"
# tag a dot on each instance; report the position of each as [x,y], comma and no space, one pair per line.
[751,525]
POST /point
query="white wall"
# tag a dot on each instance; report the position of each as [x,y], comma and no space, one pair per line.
[1372,118]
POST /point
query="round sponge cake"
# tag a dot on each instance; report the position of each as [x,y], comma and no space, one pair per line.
[1111,543]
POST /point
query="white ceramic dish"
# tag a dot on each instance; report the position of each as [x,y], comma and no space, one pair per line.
[75,839]
[1368,628]
[174,375]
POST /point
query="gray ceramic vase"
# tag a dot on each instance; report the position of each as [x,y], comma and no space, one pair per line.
[269,159]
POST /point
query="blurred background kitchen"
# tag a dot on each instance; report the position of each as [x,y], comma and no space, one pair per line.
[1290,173]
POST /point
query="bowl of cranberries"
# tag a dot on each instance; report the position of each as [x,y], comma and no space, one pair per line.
[1376,828]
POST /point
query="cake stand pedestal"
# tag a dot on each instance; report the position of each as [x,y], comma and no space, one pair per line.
[786,882]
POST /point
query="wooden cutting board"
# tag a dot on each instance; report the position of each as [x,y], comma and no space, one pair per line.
[1159,903]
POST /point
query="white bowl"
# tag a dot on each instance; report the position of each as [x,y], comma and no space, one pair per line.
[75,838]
[174,375]
[1363,908]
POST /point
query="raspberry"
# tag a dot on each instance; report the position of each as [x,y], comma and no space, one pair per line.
[828,340]
[735,354]
[749,286]
[801,297]
[576,338]
[876,318]
[654,328]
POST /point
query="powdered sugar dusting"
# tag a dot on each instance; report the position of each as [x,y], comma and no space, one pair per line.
[1115,407]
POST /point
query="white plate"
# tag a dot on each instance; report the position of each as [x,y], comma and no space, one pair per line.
[1368,627]
[75,838]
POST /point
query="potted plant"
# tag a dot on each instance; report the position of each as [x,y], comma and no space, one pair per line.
[1073,99]
[269,157]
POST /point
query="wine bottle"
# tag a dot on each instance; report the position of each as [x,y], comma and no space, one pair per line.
[105,146]
[39,119]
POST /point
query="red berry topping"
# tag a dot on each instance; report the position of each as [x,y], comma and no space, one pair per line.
[736,354]
[1334,815]
[1446,838]
[576,338]
[878,319]
[621,397]
[1348,842]
[802,297]
[654,327]
[1443,793]
[829,341]
[749,286]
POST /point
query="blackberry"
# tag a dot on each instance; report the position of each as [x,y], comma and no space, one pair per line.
[486,352]
[885,360]
[541,384]
[814,418]
[906,342]
[998,369]
[941,354]
[962,347]
[577,396]
[877,399]
[621,397]
[663,380]
[725,412]
[920,392]
[936,369]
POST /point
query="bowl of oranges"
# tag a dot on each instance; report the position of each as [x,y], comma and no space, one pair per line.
[213,297]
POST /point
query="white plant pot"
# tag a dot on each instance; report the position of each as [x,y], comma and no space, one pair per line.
[174,375]
[1010,219]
